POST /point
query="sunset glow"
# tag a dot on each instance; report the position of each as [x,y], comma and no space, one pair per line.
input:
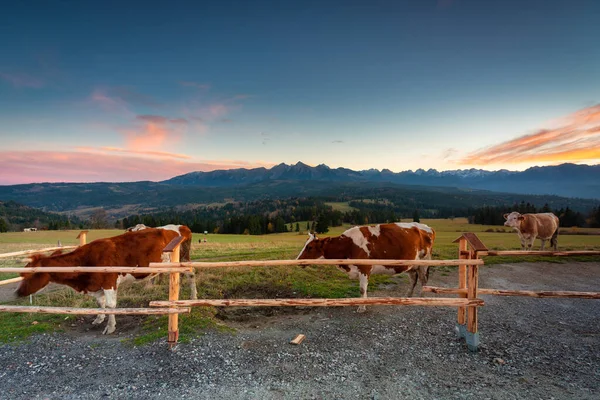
[401,86]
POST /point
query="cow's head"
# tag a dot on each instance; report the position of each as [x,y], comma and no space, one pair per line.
[33,283]
[313,248]
[513,219]
[138,227]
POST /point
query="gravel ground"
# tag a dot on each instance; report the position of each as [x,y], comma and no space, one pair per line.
[530,349]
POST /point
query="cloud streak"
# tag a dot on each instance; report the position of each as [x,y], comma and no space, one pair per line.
[91,165]
[576,138]
[22,80]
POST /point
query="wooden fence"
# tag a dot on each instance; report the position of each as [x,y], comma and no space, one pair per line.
[172,249]
[471,247]
[468,300]
[470,251]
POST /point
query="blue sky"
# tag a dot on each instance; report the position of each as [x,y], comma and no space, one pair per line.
[119,91]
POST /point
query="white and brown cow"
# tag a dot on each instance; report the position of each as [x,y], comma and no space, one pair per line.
[532,226]
[397,241]
[133,249]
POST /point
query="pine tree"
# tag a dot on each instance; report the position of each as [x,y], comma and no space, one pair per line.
[322,225]
[416,216]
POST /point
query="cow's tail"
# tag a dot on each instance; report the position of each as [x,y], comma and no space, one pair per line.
[554,239]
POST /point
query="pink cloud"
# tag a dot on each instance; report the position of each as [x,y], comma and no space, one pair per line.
[87,166]
[154,132]
[218,110]
[149,153]
[22,80]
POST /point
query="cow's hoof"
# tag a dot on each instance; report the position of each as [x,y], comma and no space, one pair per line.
[361,309]
[109,329]
[98,321]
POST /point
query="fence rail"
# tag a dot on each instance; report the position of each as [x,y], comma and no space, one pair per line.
[386,301]
[272,263]
[94,311]
[526,293]
[27,252]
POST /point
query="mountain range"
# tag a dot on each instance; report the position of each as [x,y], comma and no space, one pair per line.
[568,180]
[578,185]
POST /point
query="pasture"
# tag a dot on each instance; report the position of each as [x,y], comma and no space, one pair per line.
[255,282]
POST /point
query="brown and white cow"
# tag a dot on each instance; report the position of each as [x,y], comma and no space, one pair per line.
[532,226]
[397,241]
[186,247]
[129,249]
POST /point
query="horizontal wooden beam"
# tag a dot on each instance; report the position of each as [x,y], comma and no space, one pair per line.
[9,281]
[397,301]
[538,253]
[270,263]
[26,252]
[79,269]
[92,311]
[526,293]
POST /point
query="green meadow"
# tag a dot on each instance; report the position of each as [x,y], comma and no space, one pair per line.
[249,282]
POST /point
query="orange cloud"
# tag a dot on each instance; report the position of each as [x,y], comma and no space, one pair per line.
[576,139]
[90,166]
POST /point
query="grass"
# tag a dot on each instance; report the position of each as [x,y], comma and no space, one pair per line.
[341,206]
[251,282]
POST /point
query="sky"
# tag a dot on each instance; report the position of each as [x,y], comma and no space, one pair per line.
[129,91]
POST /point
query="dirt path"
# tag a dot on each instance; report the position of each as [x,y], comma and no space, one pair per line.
[530,348]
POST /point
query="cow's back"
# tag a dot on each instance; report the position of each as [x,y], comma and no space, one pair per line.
[543,225]
[399,241]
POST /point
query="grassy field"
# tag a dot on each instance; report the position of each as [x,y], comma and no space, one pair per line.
[256,282]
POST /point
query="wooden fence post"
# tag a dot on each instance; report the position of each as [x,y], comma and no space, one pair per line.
[462,284]
[472,336]
[173,335]
[82,237]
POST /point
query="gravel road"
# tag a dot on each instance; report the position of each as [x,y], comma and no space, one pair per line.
[530,349]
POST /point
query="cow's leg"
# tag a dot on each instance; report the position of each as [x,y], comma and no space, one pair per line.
[423,271]
[423,274]
[193,291]
[413,282]
[101,300]
[530,243]
[111,302]
[363,275]
[543,244]
[554,240]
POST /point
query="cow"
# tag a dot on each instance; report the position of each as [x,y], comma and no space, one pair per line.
[134,249]
[397,241]
[532,226]
[184,254]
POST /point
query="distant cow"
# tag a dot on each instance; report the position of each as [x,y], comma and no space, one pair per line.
[398,241]
[184,254]
[133,249]
[532,226]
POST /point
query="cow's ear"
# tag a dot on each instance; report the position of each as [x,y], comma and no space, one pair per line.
[505,216]
[521,218]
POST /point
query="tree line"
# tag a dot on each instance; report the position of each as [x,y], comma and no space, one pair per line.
[567,217]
